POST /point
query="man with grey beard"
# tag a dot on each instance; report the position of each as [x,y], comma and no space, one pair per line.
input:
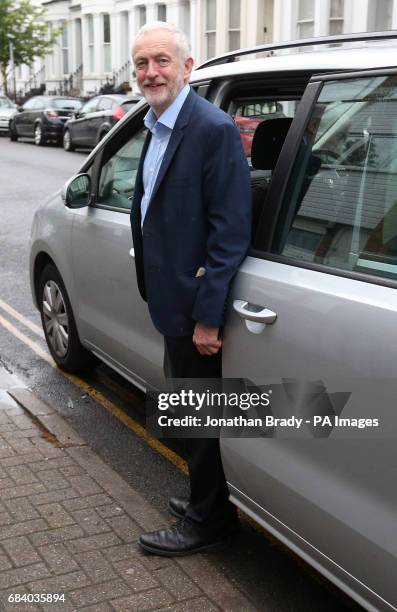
[190,220]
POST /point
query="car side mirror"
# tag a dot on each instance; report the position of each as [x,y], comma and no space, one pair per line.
[19,109]
[77,191]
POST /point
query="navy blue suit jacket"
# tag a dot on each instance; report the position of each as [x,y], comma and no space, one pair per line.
[199,215]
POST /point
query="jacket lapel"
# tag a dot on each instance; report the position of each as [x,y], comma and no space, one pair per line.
[175,140]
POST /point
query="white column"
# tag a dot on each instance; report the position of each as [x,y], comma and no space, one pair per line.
[194,35]
[359,12]
[84,44]
[72,45]
[321,17]
[249,22]
[222,23]
[58,55]
[98,45]
[199,26]
[394,16]
[115,36]
[173,12]
[284,20]
[151,12]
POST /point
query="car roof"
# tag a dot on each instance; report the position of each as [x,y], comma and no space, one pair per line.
[348,57]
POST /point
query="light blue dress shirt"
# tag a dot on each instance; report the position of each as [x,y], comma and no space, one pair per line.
[161,129]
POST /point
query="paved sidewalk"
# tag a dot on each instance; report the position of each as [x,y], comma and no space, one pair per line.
[69,525]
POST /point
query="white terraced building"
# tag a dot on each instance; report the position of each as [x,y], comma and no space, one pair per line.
[97,36]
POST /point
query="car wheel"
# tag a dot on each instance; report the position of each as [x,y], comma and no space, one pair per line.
[67,141]
[39,139]
[59,325]
[12,132]
[101,135]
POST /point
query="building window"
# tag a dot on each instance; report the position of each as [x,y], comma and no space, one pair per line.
[90,28]
[234,24]
[107,59]
[337,8]
[65,48]
[306,19]
[161,12]
[141,13]
[380,15]
[210,28]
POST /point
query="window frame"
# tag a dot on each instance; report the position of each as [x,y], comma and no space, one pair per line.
[107,44]
[268,236]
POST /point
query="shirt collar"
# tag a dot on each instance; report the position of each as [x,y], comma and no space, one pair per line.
[170,115]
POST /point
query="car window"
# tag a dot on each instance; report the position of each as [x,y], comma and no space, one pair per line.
[67,103]
[40,102]
[249,114]
[118,173]
[90,106]
[30,104]
[5,103]
[128,105]
[343,191]
[105,104]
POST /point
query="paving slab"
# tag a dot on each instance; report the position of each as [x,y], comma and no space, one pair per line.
[70,527]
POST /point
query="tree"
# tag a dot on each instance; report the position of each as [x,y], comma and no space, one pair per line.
[22,24]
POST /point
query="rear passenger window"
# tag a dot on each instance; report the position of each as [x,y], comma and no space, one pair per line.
[253,117]
[343,191]
[248,114]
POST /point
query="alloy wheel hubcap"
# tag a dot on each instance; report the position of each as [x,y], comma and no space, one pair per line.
[55,318]
[66,140]
[37,134]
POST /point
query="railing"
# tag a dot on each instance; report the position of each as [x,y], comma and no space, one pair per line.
[119,82]
[71,85]
[33,87]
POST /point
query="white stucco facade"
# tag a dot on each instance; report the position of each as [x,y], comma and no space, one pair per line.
[98,34]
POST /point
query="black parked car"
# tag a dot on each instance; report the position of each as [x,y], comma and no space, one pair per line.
[42,118]
[90,124]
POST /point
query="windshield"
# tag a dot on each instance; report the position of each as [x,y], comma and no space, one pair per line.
[5,103]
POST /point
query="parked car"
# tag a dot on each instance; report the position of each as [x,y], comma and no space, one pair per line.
[7,110]
[323,259]
[90,124]
[42,118]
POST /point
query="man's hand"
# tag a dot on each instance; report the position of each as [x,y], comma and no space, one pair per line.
[205,339]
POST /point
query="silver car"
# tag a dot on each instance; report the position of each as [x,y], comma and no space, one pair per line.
[7,110]
[313,307]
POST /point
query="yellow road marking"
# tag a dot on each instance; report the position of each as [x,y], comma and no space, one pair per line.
[117,412]
[100,398]
[14,313]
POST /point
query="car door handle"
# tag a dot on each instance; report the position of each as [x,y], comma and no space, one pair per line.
[132,253]
[264,315]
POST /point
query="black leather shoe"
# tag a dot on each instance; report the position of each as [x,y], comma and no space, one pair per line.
[185,538]
[178,506]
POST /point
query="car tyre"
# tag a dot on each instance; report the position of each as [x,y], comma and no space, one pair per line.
[59,324]
[39,139]
[101,135]
[12,132]
[67,141]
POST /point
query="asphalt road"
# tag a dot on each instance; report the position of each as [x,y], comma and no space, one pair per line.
[274,579]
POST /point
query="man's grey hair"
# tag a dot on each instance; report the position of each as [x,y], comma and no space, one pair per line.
[181,40]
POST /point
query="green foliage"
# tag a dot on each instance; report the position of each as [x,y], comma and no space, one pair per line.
[22,24]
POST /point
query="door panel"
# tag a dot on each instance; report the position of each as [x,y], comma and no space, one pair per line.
[113,317]
[332,284]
